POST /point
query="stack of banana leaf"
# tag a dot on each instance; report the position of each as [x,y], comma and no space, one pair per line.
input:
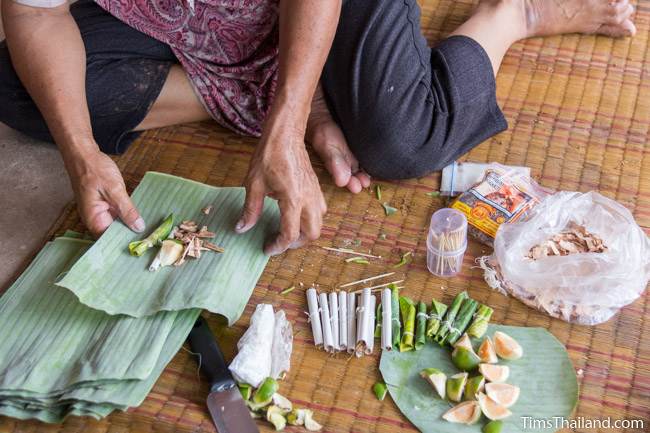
[87,329]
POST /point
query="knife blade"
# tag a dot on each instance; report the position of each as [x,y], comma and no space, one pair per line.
[225,403]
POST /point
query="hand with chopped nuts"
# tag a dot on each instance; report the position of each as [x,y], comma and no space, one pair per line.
[100,192]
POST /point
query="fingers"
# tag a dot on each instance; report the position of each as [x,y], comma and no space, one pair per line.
[290,213]
[97,217]
[364,178]
[354,185]
[121,203]
[298,226]
[253,207]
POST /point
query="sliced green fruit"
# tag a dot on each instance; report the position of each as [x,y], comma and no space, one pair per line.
[310,424]
[456,386]
[493,427]
[275,416]
[246,390]
[465,342]
[380,389]
[487,353]
[437,379]
[491,409]
[264,393]
[468,413]
[474,386]
[506,346]
[503,393]
[465,359]
[494,373]
[282,402]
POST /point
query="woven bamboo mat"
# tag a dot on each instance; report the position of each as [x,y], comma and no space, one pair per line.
[579,114]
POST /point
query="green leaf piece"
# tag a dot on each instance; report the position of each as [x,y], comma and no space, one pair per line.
[378,192]
[405,259]
[288,290]
[108,278]
[433,194]
[358,260]
[388,209]
[545,374]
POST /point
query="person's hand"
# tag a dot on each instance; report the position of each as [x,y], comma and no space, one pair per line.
[281,169]
[100,193]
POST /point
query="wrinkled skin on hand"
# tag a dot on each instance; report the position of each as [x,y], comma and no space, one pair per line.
[280,168]
[101,194]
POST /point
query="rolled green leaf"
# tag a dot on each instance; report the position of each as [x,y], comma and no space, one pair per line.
[481,319]
[407,310]
[378,320]
[421,328]
[464,316]
[138,248]
[438,310]
[394,311]
[445,325]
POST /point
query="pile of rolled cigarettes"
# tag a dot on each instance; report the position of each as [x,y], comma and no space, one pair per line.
[345,321]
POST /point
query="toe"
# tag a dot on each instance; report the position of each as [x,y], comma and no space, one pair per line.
[354,185]
[340,171]
[627,28]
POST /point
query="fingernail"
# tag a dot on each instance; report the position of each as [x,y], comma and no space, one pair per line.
[240,225]
[139,225]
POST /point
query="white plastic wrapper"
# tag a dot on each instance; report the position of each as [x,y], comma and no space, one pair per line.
[584,288]
[265,348]
[282,346]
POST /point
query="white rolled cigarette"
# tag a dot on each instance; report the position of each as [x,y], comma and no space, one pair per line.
[363,322]
[370,336]
[386,320]
[352,321]
[325,320]
[314,316]
[343,320]
[334,319]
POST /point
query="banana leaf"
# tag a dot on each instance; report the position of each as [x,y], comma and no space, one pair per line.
[108,278]
[548,382]
[59,357]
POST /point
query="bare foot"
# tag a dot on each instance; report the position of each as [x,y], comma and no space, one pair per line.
[554,17]
[328,141]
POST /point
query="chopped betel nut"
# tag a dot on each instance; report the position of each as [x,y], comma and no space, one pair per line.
[206,210]
[574,240]
[176,243]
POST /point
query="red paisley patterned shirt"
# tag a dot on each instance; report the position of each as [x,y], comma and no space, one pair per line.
[229,49]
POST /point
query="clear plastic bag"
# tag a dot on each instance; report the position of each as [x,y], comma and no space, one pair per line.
[584,288]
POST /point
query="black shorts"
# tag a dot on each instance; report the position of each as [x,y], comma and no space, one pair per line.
[125,73]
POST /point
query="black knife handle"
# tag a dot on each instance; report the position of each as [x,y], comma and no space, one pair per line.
[213,365]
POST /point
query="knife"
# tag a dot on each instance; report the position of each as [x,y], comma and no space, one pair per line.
[225,403]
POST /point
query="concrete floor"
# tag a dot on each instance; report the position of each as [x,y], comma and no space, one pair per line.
[35,188]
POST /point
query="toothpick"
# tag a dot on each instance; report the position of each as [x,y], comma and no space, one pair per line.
[349,251]
[365,280]
[380,286]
